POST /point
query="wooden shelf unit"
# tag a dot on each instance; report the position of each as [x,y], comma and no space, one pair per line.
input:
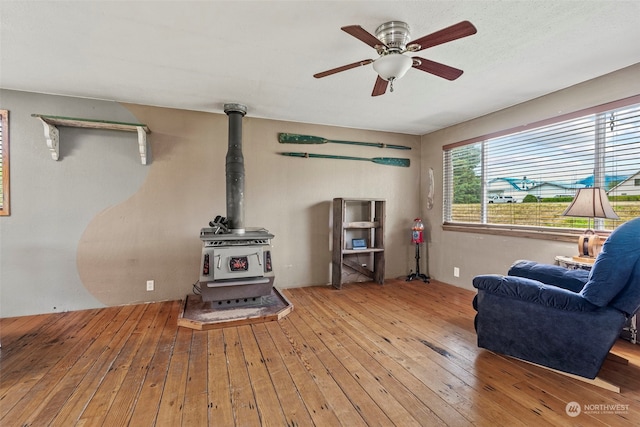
[357,219]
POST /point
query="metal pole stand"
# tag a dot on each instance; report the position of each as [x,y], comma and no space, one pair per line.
[417,274]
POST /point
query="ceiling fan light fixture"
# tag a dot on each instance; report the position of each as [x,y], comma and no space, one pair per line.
[392,66]
[391,42]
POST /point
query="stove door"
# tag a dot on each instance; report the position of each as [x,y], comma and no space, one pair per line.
[233,262]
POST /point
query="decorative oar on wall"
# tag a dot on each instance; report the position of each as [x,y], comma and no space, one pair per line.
[292,138]
[389,161]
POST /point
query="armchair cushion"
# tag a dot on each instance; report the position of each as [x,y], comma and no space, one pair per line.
[628,300]
[615,266]
[573,280]
[533,291]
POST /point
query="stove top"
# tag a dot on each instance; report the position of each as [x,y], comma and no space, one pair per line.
[258,236]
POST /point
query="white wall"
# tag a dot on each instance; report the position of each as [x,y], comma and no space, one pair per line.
[52,202]
[90,229]
[480,253]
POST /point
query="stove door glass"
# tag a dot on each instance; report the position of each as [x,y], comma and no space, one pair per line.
[236,262]
[239,263]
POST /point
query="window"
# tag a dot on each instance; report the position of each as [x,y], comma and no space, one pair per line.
[528,178]
[4,162]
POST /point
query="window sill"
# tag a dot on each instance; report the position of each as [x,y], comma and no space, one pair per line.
[541,233]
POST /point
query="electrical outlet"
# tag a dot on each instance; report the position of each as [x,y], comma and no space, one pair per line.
[456,272]
[150,285]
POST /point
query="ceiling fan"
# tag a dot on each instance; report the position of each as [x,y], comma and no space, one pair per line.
[392,42]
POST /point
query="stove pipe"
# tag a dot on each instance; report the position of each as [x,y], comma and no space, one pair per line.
[235,168]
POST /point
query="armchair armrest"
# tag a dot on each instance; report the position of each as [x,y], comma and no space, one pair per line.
[573,280]
[533,291]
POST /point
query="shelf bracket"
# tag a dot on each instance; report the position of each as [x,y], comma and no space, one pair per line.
[52,134]
[142,144]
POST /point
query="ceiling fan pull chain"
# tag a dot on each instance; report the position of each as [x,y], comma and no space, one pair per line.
[391,81]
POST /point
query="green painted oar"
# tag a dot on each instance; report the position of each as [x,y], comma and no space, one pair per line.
[292,138]
[389,161]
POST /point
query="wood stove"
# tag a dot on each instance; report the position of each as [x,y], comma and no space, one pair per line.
[235,267]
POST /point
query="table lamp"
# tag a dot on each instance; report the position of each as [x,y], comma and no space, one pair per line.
[590,203]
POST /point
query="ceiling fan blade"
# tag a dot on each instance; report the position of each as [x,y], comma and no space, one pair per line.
[343,68]
[363,35]
[436,68]
[380,87]
[454,32]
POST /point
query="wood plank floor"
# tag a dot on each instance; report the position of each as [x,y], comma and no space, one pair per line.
[401,354]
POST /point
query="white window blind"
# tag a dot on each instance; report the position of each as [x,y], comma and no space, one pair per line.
[529,177]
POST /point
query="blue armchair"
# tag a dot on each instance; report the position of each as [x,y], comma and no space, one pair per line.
[566,320]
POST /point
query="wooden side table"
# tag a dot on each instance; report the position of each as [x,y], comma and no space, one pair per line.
[571,264]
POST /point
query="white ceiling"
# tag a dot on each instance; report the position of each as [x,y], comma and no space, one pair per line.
[199,55]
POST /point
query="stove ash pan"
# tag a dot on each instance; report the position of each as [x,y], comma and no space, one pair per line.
[236,274]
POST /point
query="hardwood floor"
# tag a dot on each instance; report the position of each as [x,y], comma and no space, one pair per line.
[400,354]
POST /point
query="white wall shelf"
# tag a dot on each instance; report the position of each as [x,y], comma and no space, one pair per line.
[52,134]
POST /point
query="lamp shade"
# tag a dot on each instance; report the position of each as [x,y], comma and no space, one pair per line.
[392,66]
[591,203]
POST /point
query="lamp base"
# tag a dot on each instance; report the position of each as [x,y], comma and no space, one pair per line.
[589,246]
